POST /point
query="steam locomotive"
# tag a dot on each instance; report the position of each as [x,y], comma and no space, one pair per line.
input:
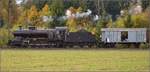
[61,37]
[58,37]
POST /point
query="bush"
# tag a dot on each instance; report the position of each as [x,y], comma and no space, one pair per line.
[144,46]
[132,46]
[121,46]
[5,36]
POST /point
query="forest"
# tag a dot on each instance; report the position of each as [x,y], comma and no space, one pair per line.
[91,15]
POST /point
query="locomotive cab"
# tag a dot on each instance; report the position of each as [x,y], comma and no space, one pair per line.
[61,32]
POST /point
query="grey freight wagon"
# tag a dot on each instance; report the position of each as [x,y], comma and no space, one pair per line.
[123,35]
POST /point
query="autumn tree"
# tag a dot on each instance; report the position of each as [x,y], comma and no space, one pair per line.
[33,17]
[46,13]
[4,10]
[71,23]
[76,23]
[21,19]
[9,12]
[120,23]
[45,10]
[140,20]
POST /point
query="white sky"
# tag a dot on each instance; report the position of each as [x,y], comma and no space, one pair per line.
[18,1]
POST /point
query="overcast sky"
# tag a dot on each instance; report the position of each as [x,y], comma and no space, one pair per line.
[18,1]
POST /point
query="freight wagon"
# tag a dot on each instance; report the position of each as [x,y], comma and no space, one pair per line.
[112,36]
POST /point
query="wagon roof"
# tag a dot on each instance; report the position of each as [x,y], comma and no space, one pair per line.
[123,29]
[60,27]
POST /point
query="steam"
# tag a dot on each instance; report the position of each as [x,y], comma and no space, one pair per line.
[84,14]
[122,12]
[96,17]
[78,14]
[70,14]
[47,18]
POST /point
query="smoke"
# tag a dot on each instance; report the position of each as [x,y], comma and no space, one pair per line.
[62,18]
[47,18]
[78,14]
[122,12]
[69,14]
[84,14]
[96,17]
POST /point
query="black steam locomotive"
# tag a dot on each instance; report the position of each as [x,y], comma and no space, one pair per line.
[58,37]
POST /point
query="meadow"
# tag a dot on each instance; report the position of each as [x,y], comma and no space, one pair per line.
[101,60]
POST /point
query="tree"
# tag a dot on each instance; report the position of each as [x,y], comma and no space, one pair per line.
[5,36]
[120,23]
[140,21]
[145,4]
[57,8]
[79,20]
[128,21]
[12,13]
[22,18]
[72,25]
[45,10]
[8,12]
[4,10]
[72,21]
[46,13]
[83,4]
[33,17]
[99,25]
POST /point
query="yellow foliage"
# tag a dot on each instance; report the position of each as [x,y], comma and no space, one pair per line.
[79,9]
[73,10]
[140,20]
[72,22]
[120,23]
[34,17]
[110,24]
[72,25]
[33,13]
[4,14]
[45,10]
[93,31]
[22,19]
[75,24]
[5,36]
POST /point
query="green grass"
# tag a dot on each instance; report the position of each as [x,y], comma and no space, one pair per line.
[74,60]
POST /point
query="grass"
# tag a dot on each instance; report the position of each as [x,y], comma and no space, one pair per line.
[74,60]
